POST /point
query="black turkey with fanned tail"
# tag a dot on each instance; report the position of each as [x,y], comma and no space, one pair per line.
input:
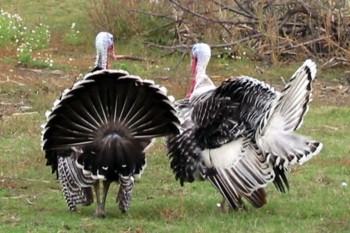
[99,131]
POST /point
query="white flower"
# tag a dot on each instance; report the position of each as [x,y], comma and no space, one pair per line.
[73,25]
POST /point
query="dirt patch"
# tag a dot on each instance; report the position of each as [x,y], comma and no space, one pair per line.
[19,84]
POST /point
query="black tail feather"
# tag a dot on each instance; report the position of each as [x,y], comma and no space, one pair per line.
[108,113]
[281,182]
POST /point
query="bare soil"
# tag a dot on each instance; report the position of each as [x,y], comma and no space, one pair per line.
[18,84]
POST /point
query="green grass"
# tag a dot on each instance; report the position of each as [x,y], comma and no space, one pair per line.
[31,200]
[59,15]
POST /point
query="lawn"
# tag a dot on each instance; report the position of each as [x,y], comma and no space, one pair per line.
[30,196]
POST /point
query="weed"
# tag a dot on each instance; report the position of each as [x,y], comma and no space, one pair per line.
[73,36]
[27,40]
[10,25]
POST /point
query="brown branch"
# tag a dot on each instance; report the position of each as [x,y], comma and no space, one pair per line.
[152,14]
[133,58]
[176,3]
[183,47]
[225,7]
[245,10]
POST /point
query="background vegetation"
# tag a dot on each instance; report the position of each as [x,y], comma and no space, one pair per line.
[30,197]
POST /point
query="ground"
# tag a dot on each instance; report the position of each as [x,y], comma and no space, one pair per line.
[17,102]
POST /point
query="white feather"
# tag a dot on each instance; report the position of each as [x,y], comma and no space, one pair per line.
[223,156]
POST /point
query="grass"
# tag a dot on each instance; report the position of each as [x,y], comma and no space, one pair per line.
[31,200]
[30,197]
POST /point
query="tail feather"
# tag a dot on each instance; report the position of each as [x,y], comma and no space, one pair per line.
[276,132]
[108,102]
[281,182]
[296,96]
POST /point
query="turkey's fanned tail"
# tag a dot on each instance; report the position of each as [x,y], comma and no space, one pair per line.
[276,132]
[108,106]
[110,117]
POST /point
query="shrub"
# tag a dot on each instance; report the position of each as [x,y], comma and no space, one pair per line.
[27,40]
[10,28]
[34,39]
[127,19]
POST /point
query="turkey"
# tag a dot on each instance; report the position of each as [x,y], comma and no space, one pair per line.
[104,44]
[98,131]
[74,191]
[241,135]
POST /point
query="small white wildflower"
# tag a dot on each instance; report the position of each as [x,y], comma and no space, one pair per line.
[73,25]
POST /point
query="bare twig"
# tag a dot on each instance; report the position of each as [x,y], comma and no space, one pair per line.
[225,7]
[152,14]
[183,47]
[133,58]
[176,3]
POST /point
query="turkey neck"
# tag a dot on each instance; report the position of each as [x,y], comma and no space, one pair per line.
[202,82]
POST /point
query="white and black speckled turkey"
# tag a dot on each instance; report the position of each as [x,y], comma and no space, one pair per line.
[241,134]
